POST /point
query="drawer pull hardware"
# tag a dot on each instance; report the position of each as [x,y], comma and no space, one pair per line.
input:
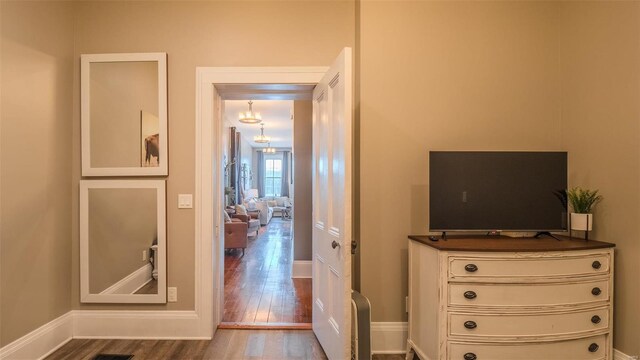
[471,267]
[593,347]
[470,324]
[595,319]
[470,295]
[596,291]
[596,265]
[470,356]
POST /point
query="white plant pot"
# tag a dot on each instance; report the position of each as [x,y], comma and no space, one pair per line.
[583,222]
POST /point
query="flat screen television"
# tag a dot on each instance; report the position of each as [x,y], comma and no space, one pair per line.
[497,191]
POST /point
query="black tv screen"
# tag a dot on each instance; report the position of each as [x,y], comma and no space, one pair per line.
[495,191]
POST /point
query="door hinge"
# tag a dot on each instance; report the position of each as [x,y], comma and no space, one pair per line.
[354,246]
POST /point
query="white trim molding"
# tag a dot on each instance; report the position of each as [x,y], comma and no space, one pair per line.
[389,337]
[104,324]
[132,282]
[42,341]
[619,355]
[208,203]
[141,324]
[386,337]
[301,269]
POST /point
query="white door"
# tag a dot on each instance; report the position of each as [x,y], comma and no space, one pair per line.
[332,151]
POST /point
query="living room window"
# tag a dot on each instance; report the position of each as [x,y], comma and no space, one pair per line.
[273,177]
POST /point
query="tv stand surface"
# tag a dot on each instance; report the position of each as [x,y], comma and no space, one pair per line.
[503,243]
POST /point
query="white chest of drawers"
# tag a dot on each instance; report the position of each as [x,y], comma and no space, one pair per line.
[500,298]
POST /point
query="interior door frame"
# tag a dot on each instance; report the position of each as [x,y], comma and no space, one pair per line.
[209,251]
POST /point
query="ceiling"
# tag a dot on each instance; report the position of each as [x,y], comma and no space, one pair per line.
[276,116]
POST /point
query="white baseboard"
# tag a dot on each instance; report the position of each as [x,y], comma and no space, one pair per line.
[132,282]
[389,337]
[142,324]
[42,341]
[619,355]
[104,324]
[301,269]
[386,337]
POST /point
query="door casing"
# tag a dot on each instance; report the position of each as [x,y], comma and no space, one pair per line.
[209,279]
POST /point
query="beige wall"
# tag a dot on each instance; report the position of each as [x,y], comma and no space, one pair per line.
[302,140]
[433,75]
[35,175]
[600,72]
[120,91]
[122,224]
[499,76]
[205,33]
[442,76]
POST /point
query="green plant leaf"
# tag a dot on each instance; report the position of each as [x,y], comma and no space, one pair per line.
[583,200]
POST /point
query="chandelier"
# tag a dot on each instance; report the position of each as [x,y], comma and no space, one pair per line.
[249,117]
[269,150]
[261,138]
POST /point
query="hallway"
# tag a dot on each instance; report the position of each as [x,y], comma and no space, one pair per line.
[258,287]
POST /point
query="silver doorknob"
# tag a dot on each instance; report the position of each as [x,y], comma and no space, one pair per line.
[334,244]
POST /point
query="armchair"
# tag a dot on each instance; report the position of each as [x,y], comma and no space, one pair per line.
[252,220]
[235,235]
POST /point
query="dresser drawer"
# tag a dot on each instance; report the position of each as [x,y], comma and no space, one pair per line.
[521,326]
[567,266]
[528,295]
[591,348]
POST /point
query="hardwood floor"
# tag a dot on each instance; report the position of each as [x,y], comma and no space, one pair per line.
[258,286]
[227,344]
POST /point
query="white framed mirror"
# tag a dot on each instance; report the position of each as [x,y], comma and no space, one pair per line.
[123,241]
[124,114]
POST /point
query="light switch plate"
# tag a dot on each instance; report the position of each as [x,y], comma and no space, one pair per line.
[185,201]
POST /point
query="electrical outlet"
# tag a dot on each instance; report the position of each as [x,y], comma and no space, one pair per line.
[172,294]
[144,255]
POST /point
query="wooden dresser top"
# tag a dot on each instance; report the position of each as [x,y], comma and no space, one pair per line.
[510,244]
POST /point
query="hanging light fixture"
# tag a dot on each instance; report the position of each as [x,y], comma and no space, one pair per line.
[269,149]
[249,117]
[261,138]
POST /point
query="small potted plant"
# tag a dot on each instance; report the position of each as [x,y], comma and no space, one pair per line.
[582,201]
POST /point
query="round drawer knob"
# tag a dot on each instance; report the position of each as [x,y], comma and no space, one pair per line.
[470,295]
[595,319]
[593,347]
[471,267]
[596,291]
[470,324]
[470,356]
[596,265]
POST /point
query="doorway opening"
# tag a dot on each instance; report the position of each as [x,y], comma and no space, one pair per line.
[267,206]
[332,111]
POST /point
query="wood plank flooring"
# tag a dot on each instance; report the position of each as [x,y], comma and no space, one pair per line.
[258,287]
[226,344]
